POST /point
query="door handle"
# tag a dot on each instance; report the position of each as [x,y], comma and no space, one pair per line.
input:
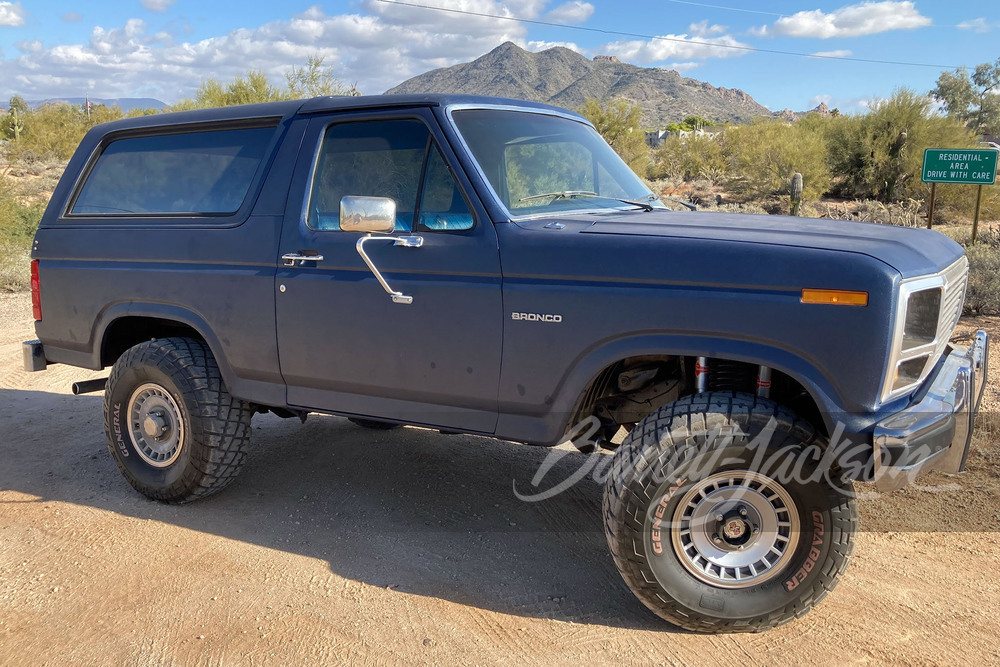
[402,241]
[302,256]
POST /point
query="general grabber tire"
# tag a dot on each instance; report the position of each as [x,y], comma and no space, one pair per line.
[373,424]
[173,429]
[720,515]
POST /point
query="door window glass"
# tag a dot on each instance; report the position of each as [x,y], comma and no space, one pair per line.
[370,159]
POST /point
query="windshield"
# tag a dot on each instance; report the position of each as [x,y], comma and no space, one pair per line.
[538,163]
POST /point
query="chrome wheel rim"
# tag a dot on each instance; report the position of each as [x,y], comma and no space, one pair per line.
[735,529]
[155,425]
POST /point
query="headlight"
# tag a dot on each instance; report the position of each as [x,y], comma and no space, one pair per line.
[922,313]
[926,313]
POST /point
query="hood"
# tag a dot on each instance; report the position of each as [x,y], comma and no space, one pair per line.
[912,252]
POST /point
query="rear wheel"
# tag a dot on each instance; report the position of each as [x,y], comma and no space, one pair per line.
[172,427]
[719,517]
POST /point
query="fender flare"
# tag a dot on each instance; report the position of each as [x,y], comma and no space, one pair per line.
[161,311]
[807,372]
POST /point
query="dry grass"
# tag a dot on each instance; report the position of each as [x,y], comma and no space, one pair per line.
[14,267]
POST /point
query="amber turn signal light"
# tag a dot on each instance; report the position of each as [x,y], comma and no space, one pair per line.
[835,296]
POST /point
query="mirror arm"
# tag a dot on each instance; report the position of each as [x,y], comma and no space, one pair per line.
[403,241]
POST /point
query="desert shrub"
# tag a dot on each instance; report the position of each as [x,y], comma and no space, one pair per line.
[982,296]
[735,207]
[764,154]
[18,223]
[619,123]
[902,214]
[689,159]
[878,155]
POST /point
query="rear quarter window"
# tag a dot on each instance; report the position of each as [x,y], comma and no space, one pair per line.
[191,173]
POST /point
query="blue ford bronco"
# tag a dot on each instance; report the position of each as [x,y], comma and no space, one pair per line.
[491,267]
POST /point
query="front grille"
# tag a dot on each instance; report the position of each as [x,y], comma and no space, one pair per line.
[956,278]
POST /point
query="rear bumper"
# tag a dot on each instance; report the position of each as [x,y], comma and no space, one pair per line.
[935,432]
[33,353]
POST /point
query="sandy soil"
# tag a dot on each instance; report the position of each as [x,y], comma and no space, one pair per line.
[343,545]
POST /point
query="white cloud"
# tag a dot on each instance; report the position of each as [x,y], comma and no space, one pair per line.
[377,48]
[866,18]
[979,25]
[11,14]
[29,46]
[667,47]
[703,29]
[574,11]
[839,53]
[158,6]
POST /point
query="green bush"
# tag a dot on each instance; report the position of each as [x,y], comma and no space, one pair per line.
[690,159]
[764,154]
[982,296]
[18,223]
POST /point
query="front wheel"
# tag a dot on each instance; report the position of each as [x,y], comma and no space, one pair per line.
[173,429]
[720,517]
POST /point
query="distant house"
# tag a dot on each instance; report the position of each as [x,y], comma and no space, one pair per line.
[657,137]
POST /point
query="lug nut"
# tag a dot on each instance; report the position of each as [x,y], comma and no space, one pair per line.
[756,529]
[743,511]
[716,538]
[720,518]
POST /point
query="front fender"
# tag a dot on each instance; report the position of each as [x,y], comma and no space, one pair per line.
[547,426]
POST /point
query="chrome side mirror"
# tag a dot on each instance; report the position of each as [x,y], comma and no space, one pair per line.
[371,215]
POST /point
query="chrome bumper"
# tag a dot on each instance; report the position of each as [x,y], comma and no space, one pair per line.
[935,432]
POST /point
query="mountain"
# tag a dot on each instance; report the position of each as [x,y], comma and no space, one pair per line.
[126,103]
[565,78]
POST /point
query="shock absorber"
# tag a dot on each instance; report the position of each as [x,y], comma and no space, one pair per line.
[701,374]
[764,382]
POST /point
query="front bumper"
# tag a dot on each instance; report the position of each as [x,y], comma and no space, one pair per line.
[935,432]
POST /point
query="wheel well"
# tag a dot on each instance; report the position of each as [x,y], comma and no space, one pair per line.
[667,378]
[125,332]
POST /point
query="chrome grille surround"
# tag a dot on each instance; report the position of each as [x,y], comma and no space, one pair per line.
[952,281]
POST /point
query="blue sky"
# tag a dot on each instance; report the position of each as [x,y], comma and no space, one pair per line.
[165,48]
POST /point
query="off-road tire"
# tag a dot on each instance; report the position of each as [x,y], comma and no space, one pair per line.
[214,427]
[373,424]
[661,458]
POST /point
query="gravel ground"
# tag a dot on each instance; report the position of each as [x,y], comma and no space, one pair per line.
[343,545]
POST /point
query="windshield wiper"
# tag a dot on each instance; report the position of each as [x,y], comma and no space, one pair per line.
[562,194]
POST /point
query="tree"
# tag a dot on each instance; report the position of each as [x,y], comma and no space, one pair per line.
[251,88]
[972,100]
[619,124]
[314,80]
[18,104]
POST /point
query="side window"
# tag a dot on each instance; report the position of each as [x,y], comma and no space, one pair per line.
[372,159]
[442,206]
[192,173]
[387,158]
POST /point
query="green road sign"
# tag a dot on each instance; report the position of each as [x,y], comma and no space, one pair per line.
[960,165]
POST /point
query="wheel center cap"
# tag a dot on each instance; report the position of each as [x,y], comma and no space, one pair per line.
[154,425]
[734,529]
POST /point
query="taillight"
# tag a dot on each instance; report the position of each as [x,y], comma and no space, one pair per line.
[36,291]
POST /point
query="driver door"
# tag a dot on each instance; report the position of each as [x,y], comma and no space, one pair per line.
[345,345]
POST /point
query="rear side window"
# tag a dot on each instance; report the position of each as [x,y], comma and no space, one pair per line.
[193,173]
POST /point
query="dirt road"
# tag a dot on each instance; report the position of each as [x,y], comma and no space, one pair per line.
[343,545]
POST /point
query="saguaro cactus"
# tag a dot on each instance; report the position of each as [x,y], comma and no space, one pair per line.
[16,123]
[796,192]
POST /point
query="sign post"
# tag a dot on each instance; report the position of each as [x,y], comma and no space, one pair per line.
[970,166]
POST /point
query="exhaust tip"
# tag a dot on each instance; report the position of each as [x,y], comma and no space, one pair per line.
[89,386]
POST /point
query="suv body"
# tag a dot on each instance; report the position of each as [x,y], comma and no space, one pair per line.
[526,282]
